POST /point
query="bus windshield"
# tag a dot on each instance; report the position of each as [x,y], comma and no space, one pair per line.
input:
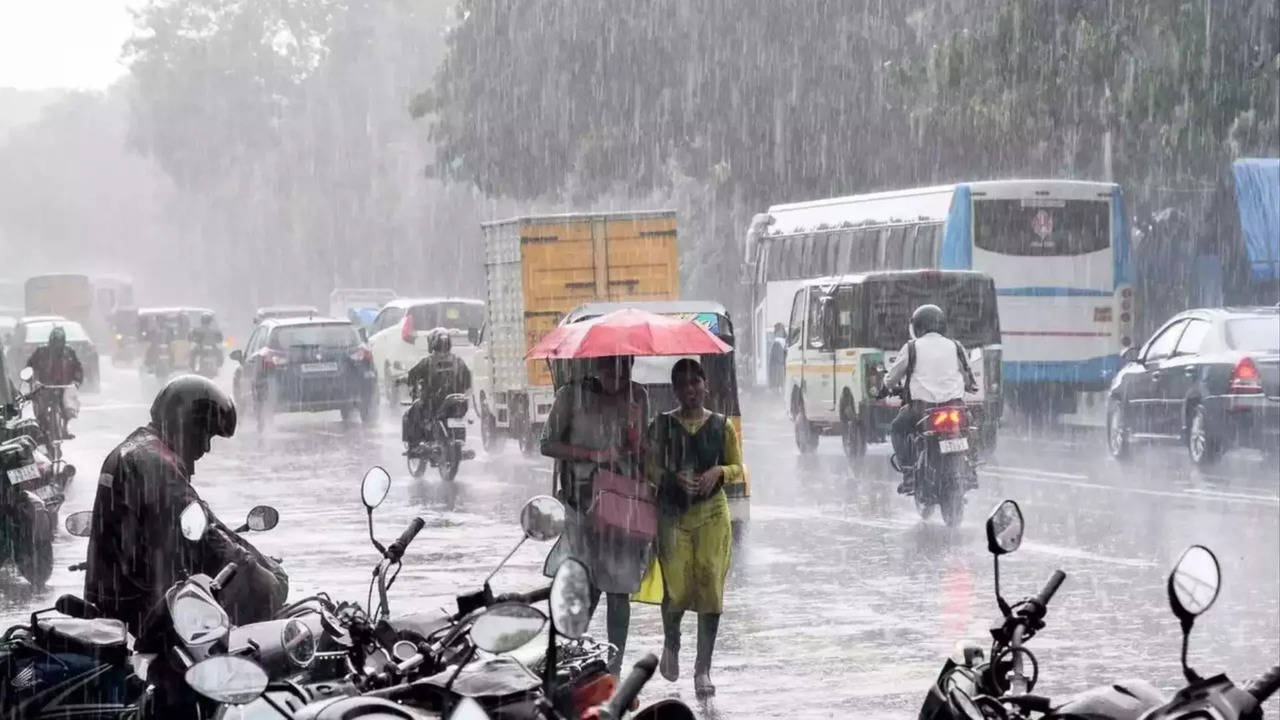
[1042,227]
[969,302]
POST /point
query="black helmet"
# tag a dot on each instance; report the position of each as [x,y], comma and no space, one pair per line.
[439,342]
[927,319]
[188,412]
[58,336]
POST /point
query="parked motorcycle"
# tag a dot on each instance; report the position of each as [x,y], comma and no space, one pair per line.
[943,466]
[445,444]
[975,686]
[32,490]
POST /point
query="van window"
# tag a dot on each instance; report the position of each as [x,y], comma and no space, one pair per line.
[815,318]
[848,318]
[797,318]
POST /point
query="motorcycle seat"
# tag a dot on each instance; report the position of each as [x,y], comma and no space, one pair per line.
[83,637]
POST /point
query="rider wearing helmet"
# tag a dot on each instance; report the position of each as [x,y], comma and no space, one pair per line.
[205,338]
[433,378]
[136,548]
[934,370]
[55,363]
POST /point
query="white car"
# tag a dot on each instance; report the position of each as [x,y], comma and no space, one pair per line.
[398,335]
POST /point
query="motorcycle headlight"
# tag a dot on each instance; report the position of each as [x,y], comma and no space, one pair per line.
[197,619]
[299,642]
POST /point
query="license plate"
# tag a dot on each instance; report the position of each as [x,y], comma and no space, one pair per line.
[320,367]
[24,473]
[953,445]
[455,422]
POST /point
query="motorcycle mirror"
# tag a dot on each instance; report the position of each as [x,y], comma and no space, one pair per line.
[26,374]
[1004,528]
[193,522]
[468,709]
[374,487]
[571,599]
[542,518]
[262,518]
[507,626]
[78,524]
[1193,587]
[228,679]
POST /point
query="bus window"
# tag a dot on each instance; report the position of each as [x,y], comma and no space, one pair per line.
[909,235]
[927,245]
[829,262]
[797,318]
[845,244]
[893,248]
[817,255]
[1042,227]
[866,253]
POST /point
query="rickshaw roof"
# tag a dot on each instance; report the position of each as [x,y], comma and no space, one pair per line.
[657,307]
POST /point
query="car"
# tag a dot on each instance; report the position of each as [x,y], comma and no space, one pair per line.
[33,331]
[313,364]
[398,335]
[1209,378]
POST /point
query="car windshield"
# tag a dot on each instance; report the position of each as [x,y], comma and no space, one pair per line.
[1255,333]
[38,332]
[450,315]
[330,335]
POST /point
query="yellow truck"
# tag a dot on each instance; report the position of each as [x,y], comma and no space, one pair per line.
[538,269]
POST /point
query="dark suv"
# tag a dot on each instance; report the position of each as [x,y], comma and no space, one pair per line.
[1209,378]
[305,365]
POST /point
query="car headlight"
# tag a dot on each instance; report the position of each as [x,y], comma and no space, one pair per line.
[197,619]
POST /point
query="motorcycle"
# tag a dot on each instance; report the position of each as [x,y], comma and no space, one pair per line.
[79,663]
[943,467]
[52,406]
[975,686]
[32,491]
[205,360]
[158,362]
[445,444]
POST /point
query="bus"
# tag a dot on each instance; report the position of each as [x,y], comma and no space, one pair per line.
[1058,251]
[90,300]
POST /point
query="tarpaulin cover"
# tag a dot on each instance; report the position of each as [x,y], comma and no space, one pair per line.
[1257,182]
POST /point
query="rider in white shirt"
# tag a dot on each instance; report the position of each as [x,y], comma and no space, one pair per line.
[936,372]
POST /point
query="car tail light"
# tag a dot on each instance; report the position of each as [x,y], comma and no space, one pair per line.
[406,328]
[274,359]
[1245,378]
[946,420]
[361,353]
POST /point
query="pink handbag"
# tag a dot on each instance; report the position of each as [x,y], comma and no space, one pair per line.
[623,504]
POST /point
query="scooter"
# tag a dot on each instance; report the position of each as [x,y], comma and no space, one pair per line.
[975,686]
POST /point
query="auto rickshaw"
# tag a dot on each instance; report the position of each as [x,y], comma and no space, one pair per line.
[655,374]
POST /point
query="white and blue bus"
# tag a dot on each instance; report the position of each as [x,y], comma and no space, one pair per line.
[1058,251]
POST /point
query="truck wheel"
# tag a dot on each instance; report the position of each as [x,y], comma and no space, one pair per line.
[852,437]
[806,436]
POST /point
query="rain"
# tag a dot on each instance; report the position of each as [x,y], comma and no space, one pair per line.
[304,200]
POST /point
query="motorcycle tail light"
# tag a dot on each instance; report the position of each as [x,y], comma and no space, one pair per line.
[595,692]
[946,420]
[1245,378]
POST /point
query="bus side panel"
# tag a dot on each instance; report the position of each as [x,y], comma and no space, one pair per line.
[957,236]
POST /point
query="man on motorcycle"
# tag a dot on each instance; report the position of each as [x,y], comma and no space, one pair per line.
[431,380]
[934,371]
[54,363]
[136,548]
[206,338]
[160,335]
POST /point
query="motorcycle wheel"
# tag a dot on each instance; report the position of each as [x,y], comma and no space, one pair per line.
[924,508]
[449,464]
[417,465]
[951,498]
[36,565]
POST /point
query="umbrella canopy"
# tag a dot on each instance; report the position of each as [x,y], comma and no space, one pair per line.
[628,332]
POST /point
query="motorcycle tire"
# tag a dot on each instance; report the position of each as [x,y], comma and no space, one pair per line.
[36,564]
[924,508]
[450,463]
[951,494]
[417,465]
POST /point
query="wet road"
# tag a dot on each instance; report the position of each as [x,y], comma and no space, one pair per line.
[842,601]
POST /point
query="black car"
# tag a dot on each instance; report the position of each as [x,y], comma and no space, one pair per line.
[305,365]
[33,331]
[1209,378]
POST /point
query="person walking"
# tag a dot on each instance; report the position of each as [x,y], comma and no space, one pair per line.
[595,431]
[692,453]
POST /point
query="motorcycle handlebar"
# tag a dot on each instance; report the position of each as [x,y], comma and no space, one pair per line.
[528,598]
[397,548]
[224,576]
[1263,686]
[1050,588]
[631,686]
[75,607]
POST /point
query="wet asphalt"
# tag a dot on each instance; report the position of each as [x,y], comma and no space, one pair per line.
[842,601]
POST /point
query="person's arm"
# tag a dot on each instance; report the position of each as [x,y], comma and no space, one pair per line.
[731,470]
[77,370]
[962,357]
[557,426]
[898,369]
[464,377]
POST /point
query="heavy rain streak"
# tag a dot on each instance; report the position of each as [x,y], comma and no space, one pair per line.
[640,358]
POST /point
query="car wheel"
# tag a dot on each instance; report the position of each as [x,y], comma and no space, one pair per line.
[1202,445]
[806,438]
[1117,431]
[851,435]
[264,408]
[348,415]
[369,409]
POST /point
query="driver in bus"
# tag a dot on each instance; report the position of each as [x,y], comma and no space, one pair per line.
[939,375]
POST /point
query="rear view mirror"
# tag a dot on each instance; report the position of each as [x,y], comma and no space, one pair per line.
[571,599]
[542,518]
[1004,528]
[229,679]
[373,490]
[1194,582]
[262,518]
[507,626]
[193,522]
[237,356]
[78,524]
[26,374]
